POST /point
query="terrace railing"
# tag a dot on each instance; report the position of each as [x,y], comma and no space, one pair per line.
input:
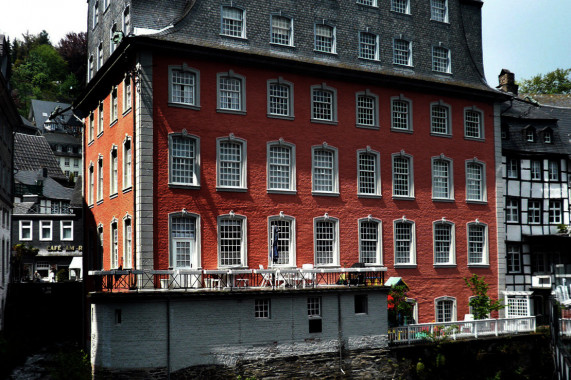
[233,279]
[460,329]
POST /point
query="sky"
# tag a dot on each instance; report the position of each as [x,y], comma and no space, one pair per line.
[527,37]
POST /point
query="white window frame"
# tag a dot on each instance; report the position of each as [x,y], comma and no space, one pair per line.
[397,6]
[194,162]
[512,210]
[243,167]
[90,68]
[66,225]
[365,47]
[483,189]
[407,114]
[374,99]
[530,134]
[318,45]
[536,175]
[555,211]
[114,244]
[112,44]
[452,249]
[441,60]
[100,118]
[485,245]
[548,136]
[291,258]
[410,175]
[517,306]
[195,262]
[376,173]
[91,131]
[411,263]
[513,258]
[91,190]
[271,111]
[100,55]
[95,20]
[369,3]
[449,179]
[402,55]
[553,169]
[48,225]
[127,241]
[534,214]
[127,94]
[379,242]
[126,20]
[334,170]
[332,104]
[480,125]
[436,8]
[194,87]
[241,104]
[288,31]
[26,225]
[227,30]
[262,308]
[512,168]
[334,243]
[113,171]
[100,178]
[453,311]
[436,120]
[243,240]
[127,163]
[291,189]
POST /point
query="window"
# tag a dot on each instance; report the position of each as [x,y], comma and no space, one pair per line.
[371,3]
[401,114]
[368,173]
[184,230]
[445,309]
[403,179]
[112,40]
[45,230]
[113,174]
[361,304]
[25,230]
[473,124]
[530,135]
[75,163]
[91,184]
[90,70]
[127,95]
[281,166]
[233,22]
[536,170]
[314,314]
[553,170]
[512,210]
[370,241]
[281,239]
[367,109]
[439,10]
[518,306]
[442,186]
[323,104]
[105,4]
[95,14]
[405,242]
[100,179]
[66,161]
[231,92]
[91,127]
[66,230]
[280,98]
[127,168]
[440,119]
[326,241]
[400,6]
[475,181]
[368,46]
[127,243]
[441,60]
[477,243]
[184,162]
[402,52]
[100,120]
[325,38]
[114,245]
[232,241]
[444,243]
[281,32]
[548,137]
[514,258]
[325,175]
[126,20]
[555,211]
[100,56]
[534,211]
[512,166]
[184,86]
[262,308]
[231,163]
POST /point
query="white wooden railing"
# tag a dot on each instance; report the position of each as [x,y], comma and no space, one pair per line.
[460,329]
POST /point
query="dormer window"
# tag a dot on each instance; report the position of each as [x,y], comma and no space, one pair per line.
[530,135]
[548,136]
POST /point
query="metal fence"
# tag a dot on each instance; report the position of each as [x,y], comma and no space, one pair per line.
[460,329]
[231,279]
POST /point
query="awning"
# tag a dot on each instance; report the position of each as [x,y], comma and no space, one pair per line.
[76,263]
[393,281]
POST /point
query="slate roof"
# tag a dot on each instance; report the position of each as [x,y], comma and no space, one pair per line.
[76,197]
[41,111]
[51,188]
[556,100]
[34,153]
[62,138]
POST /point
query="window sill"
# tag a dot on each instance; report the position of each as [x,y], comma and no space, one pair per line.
[126,112]
[363,126]
[240,38]
[403,198]
[127,189]
[319,121]
[401,130]
[232,189]
[90,206]
[324,194]
[369,59]
[100,134]
[403,66]
[233,112]
[444,266]
[369,196]
[447,135]
[480,139]
[285,192]
[325,52]
[440,22]
[476,202]
[443,73]
[183,186]
[184,105]
[478,265]
[282,45]
[401,13]
[90,142]
[284,117]
[113,196]
[445,200]
[99,202]
[405,266]
[113,123]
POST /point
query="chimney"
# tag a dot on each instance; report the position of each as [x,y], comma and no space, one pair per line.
[44,172]
[507,82]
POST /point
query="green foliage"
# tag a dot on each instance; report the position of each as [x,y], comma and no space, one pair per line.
[71,365]
[482,305]
[562,228]
[62,275]
[554,82]
[400,307]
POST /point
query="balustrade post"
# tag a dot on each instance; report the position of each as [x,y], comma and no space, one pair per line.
[496,326]
[476,330]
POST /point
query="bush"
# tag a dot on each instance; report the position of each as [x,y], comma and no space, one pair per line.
[62,275]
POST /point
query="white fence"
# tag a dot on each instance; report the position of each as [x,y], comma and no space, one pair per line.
[460,329]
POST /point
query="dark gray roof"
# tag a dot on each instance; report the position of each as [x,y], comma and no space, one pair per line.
[51,188]
[557,100]
[33,153]
[41,111]
[77,198]
[62,138]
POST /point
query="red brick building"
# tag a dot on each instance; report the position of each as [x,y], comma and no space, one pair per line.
[198,145]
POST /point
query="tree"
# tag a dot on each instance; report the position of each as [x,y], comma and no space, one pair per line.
[482,305]
[399,307]
[73,50]
[21,254]
[554,82]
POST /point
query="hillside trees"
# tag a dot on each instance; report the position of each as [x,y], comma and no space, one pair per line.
[557,81]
